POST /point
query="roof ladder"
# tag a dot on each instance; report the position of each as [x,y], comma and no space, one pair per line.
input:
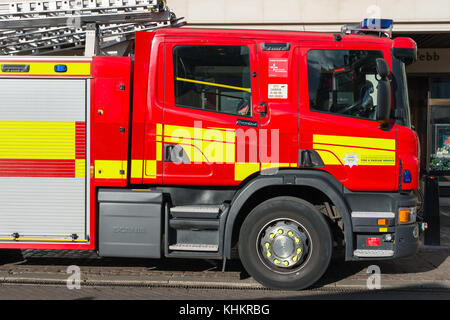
[97,26]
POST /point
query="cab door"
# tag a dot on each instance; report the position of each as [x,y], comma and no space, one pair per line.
[338,114]
[210,127]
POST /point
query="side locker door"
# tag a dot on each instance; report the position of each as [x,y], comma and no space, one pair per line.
[111,101]
[338,114]
[210,130]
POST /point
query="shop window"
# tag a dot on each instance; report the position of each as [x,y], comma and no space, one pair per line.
[440,139]
[343,82]
[440,88]
[213,78]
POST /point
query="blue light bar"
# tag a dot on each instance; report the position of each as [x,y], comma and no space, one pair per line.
[374,23]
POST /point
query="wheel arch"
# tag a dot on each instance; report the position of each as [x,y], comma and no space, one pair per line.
[313,180]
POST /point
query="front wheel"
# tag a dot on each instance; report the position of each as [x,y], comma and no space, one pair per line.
[285,243]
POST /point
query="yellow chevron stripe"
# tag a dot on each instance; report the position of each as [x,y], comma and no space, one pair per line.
[387,144]
[367,157]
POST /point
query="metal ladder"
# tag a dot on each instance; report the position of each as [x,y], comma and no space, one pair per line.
[98,26]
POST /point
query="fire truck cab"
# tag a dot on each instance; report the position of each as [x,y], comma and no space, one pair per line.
[284,145]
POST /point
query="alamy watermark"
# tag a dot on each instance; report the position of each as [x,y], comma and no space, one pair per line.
[74,280]
[374,280]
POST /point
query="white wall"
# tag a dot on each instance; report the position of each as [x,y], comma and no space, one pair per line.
[314,15]
[323,15]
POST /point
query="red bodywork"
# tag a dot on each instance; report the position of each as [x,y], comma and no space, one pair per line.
[147,85]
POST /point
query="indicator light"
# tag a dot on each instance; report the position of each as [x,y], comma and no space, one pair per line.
[404,215]
[406,176]
[60,68]
[382,222]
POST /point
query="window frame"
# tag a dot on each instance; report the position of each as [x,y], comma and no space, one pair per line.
[250,116]
[308,81]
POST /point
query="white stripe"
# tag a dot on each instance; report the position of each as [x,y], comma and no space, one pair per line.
[371,214]
[373,253]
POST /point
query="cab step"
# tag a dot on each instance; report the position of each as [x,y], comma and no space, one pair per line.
[194,230]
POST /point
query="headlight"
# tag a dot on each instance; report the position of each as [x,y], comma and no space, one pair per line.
[407,215]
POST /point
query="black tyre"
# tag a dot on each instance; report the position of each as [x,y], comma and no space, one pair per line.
[285,243]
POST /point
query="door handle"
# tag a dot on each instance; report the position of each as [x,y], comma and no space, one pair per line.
[175,153]
[262,109]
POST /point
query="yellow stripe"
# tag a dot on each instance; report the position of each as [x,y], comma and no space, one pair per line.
[48,68]
[136,168]
[202,144]
[150,169]
[159,129]
[367,157]
[274,165]
[243,170]
[328,158]
[388,144]
[80,168]
[214,84]
[211,134]
[37,140]
[110,169]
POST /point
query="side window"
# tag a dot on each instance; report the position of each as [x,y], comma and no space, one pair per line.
[214,78]
[343,82]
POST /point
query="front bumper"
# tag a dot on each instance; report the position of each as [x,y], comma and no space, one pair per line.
[373,241]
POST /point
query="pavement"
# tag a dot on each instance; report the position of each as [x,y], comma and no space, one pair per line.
[429,269]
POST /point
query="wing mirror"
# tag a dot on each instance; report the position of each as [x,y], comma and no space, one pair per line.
[383,92]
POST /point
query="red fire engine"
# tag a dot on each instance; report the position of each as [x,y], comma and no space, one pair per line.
[285,145]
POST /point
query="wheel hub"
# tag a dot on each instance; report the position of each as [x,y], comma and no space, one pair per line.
[283,244]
